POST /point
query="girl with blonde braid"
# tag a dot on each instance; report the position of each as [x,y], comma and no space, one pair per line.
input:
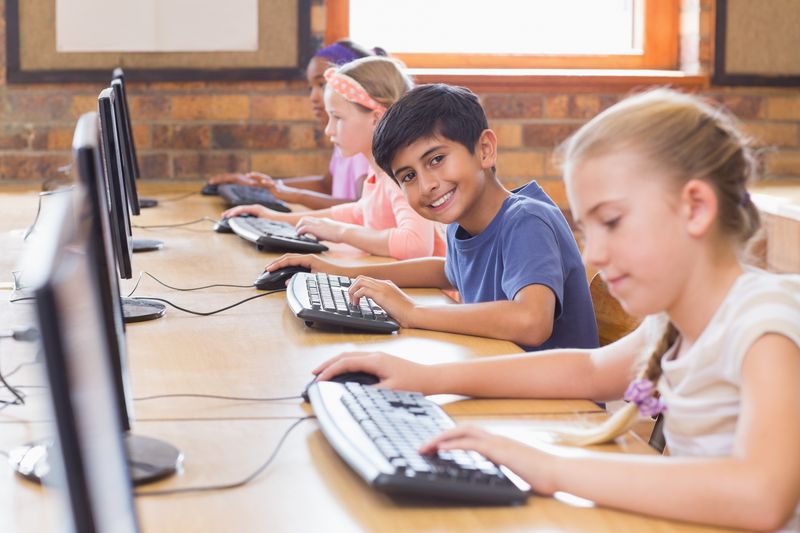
[658,186]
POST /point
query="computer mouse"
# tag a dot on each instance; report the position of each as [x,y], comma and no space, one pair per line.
[223,224]
[364,378]
[270,281]
[210,189]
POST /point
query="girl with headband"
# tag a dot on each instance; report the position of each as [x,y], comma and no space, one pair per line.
[381,222]
[342,181]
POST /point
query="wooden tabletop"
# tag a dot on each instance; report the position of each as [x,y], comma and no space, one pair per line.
[260,350]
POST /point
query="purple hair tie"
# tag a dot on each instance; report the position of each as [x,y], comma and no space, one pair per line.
[640,392]
[745,199]
[338,54]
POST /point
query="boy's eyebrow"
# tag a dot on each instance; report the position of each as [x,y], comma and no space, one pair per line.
[421,158]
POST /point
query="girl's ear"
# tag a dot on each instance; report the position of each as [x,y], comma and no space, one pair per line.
[699,206]
[487,149]
[377,115]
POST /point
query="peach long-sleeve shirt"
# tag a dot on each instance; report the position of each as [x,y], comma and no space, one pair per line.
[383,206]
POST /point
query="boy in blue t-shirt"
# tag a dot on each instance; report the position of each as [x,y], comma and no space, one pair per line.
[511,255]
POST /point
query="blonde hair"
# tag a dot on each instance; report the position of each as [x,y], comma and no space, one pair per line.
[384,78]
[691,139]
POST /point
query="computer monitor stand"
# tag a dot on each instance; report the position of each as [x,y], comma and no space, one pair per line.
[136,310]
[144,203]
[149,459]
[146,245]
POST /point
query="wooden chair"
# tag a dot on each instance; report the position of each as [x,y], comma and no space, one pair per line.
[613,322]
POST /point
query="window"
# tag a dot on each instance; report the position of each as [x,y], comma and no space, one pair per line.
[527,34]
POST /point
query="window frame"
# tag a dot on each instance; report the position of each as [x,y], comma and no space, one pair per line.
[661,38]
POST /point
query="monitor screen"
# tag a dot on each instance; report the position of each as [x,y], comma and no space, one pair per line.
[88,165]
[117,197]
[127,151]
[91,453]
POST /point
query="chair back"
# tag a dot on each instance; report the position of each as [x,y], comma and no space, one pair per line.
[613,322]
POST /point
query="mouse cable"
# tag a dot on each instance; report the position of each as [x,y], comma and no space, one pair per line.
[209,313]
[21,299]
[144,273]
[215,397]
[235,484]
[197,221]
[180,197]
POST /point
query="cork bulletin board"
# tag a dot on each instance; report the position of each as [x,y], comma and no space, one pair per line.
[278,45]
[757,43]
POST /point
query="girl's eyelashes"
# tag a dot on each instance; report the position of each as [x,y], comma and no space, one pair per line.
[612,223]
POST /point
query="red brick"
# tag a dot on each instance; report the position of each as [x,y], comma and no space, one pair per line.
[82,103]
[513,164]
[35,107]
[205,164]
[546,135]
[59,138]
[509,135]
[784,163]
[210,107]
[141,136]
[13,137]
[252,136]
[304,136]
[518,106]
[38,167]
[181,136]
[772,133]
[783,108]
[281,107]
[744,107]
[154,166]
[556,106]
[288,164]
[148,107]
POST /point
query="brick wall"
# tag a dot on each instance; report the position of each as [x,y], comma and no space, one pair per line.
[190,130]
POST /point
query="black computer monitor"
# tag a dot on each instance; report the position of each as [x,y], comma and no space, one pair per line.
[127,150]
[118,74]
[134,310]
[89,448]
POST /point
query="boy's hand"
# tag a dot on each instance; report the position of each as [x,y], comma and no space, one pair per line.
[310,261]
[232,177]
[386,294]
[258,210]
[323,229]
[394,372]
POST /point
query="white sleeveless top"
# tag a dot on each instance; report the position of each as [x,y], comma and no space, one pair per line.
[701,388]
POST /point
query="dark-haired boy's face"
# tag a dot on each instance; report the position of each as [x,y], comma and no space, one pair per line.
[441,179]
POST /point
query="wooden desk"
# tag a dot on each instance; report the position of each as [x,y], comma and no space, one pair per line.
[261,349]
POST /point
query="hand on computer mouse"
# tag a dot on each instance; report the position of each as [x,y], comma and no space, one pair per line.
[394,372]
[256,210]
[232,177]
[270,281]
[313,262]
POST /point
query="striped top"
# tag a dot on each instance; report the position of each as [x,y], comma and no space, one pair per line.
[701,388]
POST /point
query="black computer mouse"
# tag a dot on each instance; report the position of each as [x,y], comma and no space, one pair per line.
[223,224]
[364,378]
[270,281]
[210,189]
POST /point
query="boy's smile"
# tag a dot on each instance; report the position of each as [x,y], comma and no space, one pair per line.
[444,182]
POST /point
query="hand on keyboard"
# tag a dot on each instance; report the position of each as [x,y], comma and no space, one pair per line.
[323,229]
[258,210]
[232,177]
[531,463]
[394,301]
[275,187]
[395,372]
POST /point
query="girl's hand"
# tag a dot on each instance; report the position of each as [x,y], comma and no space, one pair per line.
[313,262]
[394,372]
[232,177]
[258,210]
[275,187]
[534,465]
[386,294]
[323,229]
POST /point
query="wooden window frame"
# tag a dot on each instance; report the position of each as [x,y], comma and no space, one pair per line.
[661,36]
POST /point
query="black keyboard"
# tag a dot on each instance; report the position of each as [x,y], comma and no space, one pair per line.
[322,299]
[271,236]
[378,431]
[235,194]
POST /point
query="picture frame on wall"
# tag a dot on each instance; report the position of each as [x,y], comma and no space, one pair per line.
[51,41]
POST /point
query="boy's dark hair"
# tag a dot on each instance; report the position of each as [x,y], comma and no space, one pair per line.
[441,110]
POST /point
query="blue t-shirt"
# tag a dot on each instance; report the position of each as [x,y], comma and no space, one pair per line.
[528,242]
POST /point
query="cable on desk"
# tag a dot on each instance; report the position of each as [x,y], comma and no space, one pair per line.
[143,273]
[203,219]
[180,197]
[236,484]
[21,299]
[201,313]
[215,397]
